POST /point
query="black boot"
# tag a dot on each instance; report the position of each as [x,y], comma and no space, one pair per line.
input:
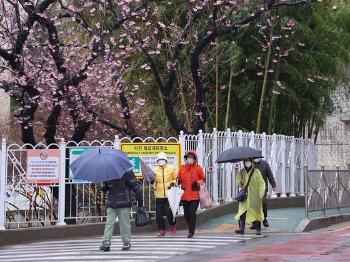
[105,248]
[258,228]
[241,224]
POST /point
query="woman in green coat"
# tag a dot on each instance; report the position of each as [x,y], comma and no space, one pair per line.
[251,210]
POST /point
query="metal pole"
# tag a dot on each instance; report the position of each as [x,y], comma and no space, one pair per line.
[306,179]
[252,140]
[274,159]
[302,183]
[338,185]
[200,149]
[215,168]
[62,184]
[264,146]
[283,163]
[240,138]
[324,192]
[3,184]
[182,140]
[292,168]
[116,143]
[228,168]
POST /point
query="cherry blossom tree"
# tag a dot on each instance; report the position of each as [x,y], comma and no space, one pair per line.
[65,56]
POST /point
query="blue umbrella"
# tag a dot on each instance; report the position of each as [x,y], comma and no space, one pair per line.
[101,165]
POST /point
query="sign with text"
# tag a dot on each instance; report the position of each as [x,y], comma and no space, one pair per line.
[148,153]
[74,154]
[43,166]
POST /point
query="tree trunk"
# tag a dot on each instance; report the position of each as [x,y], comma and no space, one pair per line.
[216,88]
[263,92]
[273,104]
[228,100]
[80,131]
[51,124]
[131,130]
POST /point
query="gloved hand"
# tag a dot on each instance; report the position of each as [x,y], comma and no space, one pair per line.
[141,208]
[171,185]
[195,186]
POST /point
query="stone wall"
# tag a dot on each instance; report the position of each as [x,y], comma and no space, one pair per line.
[333,145]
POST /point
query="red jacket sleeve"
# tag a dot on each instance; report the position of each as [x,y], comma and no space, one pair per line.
[179,174]
[201,174]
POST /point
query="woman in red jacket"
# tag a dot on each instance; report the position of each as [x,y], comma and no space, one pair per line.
[191,177]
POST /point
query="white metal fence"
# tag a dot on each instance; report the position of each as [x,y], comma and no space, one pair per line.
[28,205]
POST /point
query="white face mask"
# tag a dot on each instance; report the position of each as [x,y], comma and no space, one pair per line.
[161,162]
[190,160]
[247,164]
[257,160]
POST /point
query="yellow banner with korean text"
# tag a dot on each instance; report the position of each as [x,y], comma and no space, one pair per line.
[148,153]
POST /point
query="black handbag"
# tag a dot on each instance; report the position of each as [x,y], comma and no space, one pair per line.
[142,217]
[243,193]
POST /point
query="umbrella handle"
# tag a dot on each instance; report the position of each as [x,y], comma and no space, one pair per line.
[177,183]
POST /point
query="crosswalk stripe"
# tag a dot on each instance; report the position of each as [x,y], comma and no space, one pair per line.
[58,254]
[84,260]
[162,240]
[140,243]
[196,236]
[144,248]
[102,258]
[172,240]
[145,245]
[84,248]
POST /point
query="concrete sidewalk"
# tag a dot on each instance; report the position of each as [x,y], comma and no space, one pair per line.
[281,220]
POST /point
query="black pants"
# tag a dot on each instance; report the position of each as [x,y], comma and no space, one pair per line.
[190,210]
[163,209]
[256,224]
[265,204]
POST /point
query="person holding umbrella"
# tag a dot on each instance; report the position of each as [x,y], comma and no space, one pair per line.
[112,168]
[191,177]
[119,202]
[164,180]
[250,209]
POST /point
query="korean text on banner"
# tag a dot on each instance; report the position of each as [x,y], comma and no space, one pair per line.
[43,166]
[148,153]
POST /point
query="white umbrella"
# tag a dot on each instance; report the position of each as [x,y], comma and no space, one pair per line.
[174,198]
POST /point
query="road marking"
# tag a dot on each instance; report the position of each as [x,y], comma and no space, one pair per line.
[144,248]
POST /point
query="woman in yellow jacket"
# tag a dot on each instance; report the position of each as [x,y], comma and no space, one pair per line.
[165,178]
[251,210]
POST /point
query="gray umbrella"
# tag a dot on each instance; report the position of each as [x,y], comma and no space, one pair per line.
[236,154]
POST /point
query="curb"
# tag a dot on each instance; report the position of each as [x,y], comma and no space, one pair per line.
[307,225]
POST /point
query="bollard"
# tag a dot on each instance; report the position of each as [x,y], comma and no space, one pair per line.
[2,184]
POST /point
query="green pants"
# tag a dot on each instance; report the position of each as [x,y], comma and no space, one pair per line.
[123,215]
